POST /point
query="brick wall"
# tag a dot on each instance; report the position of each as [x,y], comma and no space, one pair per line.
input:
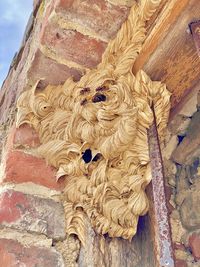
[65,38]
[62,39]
[182,169]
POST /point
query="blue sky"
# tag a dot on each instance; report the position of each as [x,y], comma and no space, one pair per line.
[14,15]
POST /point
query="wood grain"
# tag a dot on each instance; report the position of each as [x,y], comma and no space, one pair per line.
[174,60]
[158,29]
[117,252]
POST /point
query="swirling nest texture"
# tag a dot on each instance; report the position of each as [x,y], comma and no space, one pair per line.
[95,133]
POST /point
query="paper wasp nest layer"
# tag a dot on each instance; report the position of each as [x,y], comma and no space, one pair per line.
[95,133]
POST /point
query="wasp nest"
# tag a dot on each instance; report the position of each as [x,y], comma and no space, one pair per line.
[95,133]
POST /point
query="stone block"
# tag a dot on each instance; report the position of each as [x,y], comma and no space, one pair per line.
[190,107]
[170,172]
[71,45]
[50,71]
[179,125]
[97,15]
[170,147]
[32,214]
[194,243]
[14,254]
[20,167]
[189,148]
[190,210]
[177,229]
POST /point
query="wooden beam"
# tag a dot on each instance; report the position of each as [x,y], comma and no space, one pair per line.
[175,62]
[166,18]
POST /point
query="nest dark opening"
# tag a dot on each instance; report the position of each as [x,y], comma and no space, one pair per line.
[87,155]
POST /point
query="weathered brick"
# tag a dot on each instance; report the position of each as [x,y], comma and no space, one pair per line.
[7,98]
[180,263]
[98,15]
[21,167]
[50,71]
[72,45]
[27,212]
[25,136]
[194,243]
[14,254]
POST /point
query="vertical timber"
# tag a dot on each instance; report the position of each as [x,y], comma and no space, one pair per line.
[158,208]
[103,251]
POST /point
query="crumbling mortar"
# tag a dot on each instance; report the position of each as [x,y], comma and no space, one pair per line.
[69,248]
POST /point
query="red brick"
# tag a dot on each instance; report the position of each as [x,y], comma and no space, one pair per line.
[9,212]
[180,263]
[72,45]
[26,136]
[6,258]
[98,15]
[194,243]
[51,71]
[21,167]
[14,254]
[27,212]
